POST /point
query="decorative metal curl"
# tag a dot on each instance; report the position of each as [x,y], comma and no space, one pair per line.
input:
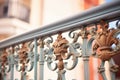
[72,53]
[11,58]
[4,63]
[30,56]
[93,31]
[17,59]
[24,57]
[60,51]
[74,35]
[49,55]
[118,24]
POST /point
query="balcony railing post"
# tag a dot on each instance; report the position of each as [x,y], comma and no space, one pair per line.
[11,62]
[12,66]
[101,70]
[86,61]
[113,69]
[4,77]
[41,60]
[84,34]
[35,59]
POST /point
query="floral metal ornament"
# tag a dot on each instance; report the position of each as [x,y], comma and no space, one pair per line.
[23,53]
[102,46]
[4,63]
[24,56]
[103,42]
[60,48]
[4,58]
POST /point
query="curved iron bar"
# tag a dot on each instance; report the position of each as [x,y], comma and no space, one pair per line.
[8,67]
[17,48]
[89,46]
[7,63]
[72,53]
[24,57]
[30,57]
[49,55]
[118,24]
[4,64]
[30,60]
[74,35]
[117,46]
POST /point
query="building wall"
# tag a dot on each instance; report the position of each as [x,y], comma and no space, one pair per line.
[55,10]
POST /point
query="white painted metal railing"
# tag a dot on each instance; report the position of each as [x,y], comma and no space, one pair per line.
[31,50]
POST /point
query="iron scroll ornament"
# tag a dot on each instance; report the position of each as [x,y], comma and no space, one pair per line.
[102,47]
[59,52]
[24,57]
[4,64]
[104,41]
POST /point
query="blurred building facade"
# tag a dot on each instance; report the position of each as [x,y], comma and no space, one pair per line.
[18,16]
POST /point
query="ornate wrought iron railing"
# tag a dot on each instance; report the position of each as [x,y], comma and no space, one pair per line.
[81,36]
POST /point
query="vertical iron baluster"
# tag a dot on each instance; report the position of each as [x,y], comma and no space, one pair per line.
[101,70]
[41,60]
[84,33]
[11,51]
[12,67]
[86,60]
[4,77]
[35,59]
[23,74]
[113,69]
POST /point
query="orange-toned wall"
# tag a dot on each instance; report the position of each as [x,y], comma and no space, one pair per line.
[90,3]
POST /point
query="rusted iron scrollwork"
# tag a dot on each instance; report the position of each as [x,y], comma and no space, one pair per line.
[102,46]
[24,56]
[103,42]
[4,64]
[61,50]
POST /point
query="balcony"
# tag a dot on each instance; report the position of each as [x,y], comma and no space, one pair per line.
[12,9]
[58,48]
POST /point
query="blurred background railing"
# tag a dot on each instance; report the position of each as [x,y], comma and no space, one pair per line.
[78,43]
